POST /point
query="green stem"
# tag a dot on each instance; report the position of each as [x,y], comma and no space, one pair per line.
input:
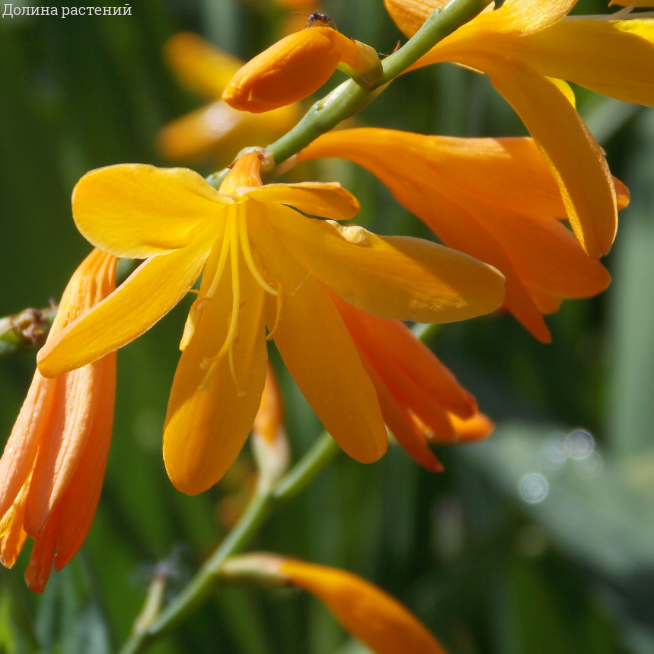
[206,580]
[349,98]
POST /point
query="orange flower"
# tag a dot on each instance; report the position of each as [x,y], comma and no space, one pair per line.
[52,468]
[297,66]
[365,611]
[421,401]
[494,199]
[215,129]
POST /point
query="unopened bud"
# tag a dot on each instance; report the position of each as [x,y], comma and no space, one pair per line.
[269,442]
[297,66]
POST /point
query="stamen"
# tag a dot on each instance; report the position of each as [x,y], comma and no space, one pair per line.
[279,312]
[247,254]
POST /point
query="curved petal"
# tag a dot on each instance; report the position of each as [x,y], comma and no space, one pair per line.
[393,346]
[199,65]
[508,172]
[366,612]
[147,295]
[137,211]
[206,429]
[326,200]
[319,353]
[393,277]
[576,161]
[611,57]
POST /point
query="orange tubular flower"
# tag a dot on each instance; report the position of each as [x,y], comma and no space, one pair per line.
[215,129]
[492,198]
[265,263]
[297,66]
[365,611]
[52,468]
[421,401]
[527,47]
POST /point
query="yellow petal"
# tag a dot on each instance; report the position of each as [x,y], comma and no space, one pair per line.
[319,353]
[201,67]
[137,211]
[393,277]
[430,176]
[149,293]
[206,429]
[576,161]
[365,611]
[326,200]
[612,57]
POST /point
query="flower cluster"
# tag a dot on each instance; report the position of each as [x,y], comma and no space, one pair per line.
[277,264]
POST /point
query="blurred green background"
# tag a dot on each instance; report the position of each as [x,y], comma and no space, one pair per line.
[516,549]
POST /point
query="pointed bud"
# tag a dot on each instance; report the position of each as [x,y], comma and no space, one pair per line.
[297,66]
[52,468]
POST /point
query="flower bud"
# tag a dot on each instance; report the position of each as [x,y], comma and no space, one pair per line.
[269,442]
[297,66]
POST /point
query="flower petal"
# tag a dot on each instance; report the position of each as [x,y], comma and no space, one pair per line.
[147,295]
[199,65]
[137,211]
[319,353]
[393,346]
[326,200]
[611,57]
[206,429]
[365,611]
[393,277]
[74,406]
[78,504]
[575,159]
[20,451]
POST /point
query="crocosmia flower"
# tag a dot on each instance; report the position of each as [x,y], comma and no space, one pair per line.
[527,48]
[52,468]
[495,199]
[265,263]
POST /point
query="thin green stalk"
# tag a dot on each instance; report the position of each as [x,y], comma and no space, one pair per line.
[206,580]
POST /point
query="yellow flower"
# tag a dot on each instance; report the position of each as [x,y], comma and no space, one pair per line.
[365,611]
[216,129]
[527,47]
[52,468]
[297,66]
[492,198]
[265,263]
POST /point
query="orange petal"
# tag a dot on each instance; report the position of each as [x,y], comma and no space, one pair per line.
[39,568]
[12,534]
[290,70]
[20,451]
[392,344]
[206,429]
[270,416]
[319,353]
[78,504]
[472,429]
[365,611]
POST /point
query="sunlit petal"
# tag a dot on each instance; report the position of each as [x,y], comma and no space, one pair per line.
[393,277]
[149,293]
[319,353]
[137,211]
